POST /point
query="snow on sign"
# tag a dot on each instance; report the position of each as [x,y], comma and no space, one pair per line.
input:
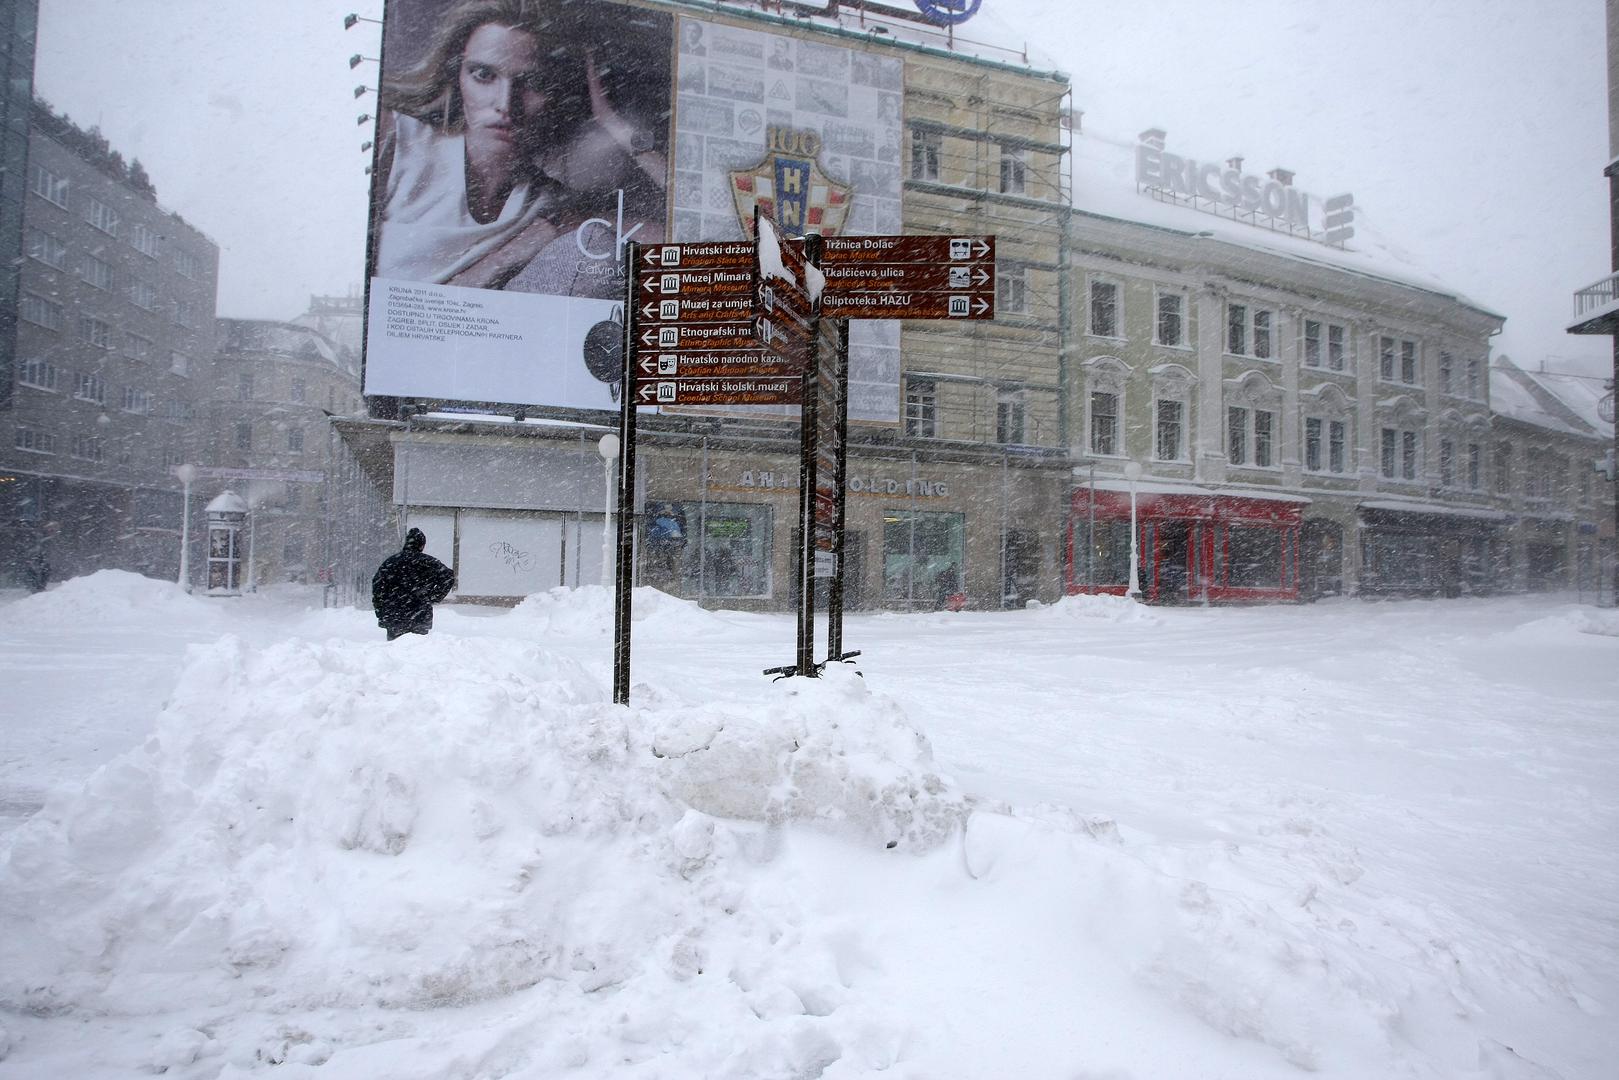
[909,277]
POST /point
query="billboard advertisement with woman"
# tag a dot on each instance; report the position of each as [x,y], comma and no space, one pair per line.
[519,146]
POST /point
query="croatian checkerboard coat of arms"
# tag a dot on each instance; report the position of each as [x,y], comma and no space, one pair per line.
[789,187]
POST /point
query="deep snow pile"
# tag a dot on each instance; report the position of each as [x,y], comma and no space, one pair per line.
[589,610]
[443,820]
[108,596]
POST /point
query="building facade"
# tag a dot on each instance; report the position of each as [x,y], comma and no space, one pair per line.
[114,321]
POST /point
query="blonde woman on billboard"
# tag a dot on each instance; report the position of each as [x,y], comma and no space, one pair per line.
[475,177]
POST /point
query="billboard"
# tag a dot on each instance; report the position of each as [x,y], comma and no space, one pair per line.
[810,131]
[520,145]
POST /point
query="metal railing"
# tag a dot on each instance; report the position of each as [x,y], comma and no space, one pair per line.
[1596,295]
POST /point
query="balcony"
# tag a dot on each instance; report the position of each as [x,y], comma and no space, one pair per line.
[1596,308]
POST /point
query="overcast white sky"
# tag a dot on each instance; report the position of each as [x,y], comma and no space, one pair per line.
[1473,132]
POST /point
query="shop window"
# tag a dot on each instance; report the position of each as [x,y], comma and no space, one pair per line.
[921,408]
[717,549]
[1253,557]
[1169,436]
[1108,545]
[923,555]
[1104,423]
[1171,324]
[925,147]
[1104,309]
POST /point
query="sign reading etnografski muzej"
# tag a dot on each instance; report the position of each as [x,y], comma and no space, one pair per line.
[519,148]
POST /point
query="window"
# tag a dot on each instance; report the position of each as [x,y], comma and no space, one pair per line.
[244,386]
[721,549]
[244,436]
[1475,466]
[1397,359]
[1171,326]
[171,457]
[1171,423]
[1253,557]
[185,313]
[1388,459]
[1312,343]
[144,240]
[47,185]
[1248,331]
[1104,423]
[925,155]
[136,401]
[1447,463]
[1446,363]
[923,555]
[1014,169]
[35,442]
[1408,455]
[40,374]
[88,448]
[1336,430]
[185,264]
[1009,417]
[1104,309]
[1011,291]
[143,295]
[295,440]
[88,387]
[95,331]
[1312,443]
[40,311]
[179,363]
[101,216]
[137,347]
[47,249]
[1503,468]
[1336,336]
[1475,388]
[921,400]
[96,272]
[1264,424]
[1237,435]
[299,392]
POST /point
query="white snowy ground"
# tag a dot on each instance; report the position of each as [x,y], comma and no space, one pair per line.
[1088,841]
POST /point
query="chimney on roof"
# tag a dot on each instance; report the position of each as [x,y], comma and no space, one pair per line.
[1234,162]
[1153,137]
[1281,176]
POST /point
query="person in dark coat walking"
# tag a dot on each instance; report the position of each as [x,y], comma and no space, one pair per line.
[407,585]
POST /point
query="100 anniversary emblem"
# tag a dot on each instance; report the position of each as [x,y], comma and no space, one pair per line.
[789,187]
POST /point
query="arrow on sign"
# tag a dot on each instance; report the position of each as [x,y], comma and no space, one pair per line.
[646,393]
[981,306]
[981,250]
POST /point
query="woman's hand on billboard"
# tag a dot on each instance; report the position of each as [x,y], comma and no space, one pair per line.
[638,145]
[501,264]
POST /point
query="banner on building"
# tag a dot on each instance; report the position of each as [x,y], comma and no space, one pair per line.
[519,147]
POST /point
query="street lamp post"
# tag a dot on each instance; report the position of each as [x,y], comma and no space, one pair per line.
[608,448]
[1132,473]
[185,474]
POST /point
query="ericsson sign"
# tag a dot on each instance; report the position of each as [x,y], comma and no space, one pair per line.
[1224,189]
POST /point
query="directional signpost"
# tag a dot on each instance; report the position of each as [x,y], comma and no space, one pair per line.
[909,277]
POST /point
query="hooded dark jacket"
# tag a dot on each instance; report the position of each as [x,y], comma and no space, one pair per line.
[407,585]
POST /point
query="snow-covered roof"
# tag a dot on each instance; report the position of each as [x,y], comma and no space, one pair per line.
[1105,185]
[1414,506]
[1533,397]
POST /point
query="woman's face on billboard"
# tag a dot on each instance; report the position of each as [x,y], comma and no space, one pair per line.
[502,98]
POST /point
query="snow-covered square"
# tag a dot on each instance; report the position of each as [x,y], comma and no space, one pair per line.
[1092,840]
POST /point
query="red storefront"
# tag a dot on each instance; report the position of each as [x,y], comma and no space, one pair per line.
[1195,545]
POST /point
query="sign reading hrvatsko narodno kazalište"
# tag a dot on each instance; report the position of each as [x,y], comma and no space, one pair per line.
[516,159]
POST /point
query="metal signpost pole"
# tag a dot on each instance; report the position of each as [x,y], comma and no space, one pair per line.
[626,488]
[834,604]
[808,445]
